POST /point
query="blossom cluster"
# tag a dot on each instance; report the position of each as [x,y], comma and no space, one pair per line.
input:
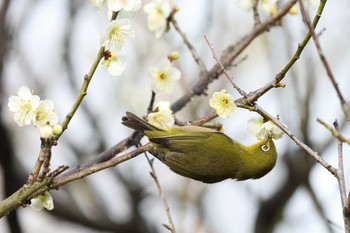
[28,108]
[119,31]
[115,38]
[117,34]
[224,105]
[163,77]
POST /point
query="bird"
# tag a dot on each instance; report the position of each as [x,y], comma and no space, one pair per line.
[205,154]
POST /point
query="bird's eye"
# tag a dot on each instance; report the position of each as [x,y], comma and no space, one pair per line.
[265,148]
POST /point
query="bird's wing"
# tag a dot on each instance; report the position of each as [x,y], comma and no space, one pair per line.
[184,142]
[206,156]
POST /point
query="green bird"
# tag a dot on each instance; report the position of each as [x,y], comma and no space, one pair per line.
[205,154]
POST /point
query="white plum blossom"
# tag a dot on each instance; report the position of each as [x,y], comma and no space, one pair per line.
[28,108]
[23,106]
[117,34]
[42,201]
[127,5]
[164,76]
[261,129]
[158,12]
[162,117]
[115,62]
[45,114]
[223,103]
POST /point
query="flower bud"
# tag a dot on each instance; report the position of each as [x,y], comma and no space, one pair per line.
[173,56]
[57,129]
[176,8]
[45,131]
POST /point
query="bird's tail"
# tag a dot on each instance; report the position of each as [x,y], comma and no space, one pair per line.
[136,123]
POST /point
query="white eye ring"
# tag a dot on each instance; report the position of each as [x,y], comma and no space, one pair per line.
[265,148]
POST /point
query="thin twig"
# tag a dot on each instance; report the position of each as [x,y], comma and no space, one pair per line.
[340,170]
[196,57]
[215,56]
[346,214]
[153,174]
[256,13]
[151,103]
[343,103]
[341,180]
[58,171]
[83,89]
[205,119]
[334,132]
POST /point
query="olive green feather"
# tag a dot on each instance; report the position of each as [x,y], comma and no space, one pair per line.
[205,154]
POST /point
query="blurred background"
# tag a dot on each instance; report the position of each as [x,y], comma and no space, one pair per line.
[50,45]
